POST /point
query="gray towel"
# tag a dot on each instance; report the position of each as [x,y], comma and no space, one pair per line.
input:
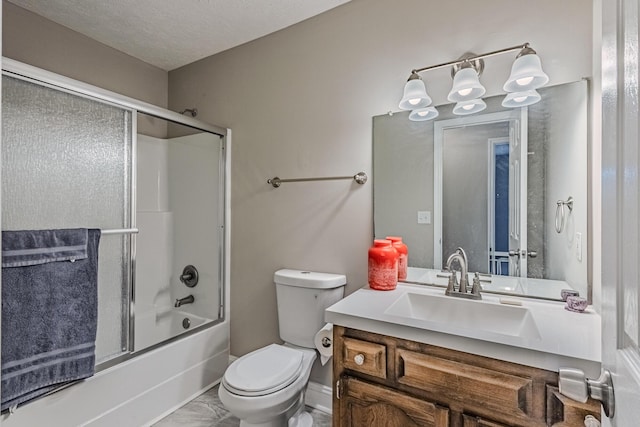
[49,310]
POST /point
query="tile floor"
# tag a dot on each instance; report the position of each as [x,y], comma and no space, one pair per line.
[206,410]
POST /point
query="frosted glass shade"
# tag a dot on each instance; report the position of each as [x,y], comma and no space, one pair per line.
[521,99]
[526,74]
[423,114]
[466,86]
[415,95]
[469,107]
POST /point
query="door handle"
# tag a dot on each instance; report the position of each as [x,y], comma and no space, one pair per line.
[522,253]
[575,385]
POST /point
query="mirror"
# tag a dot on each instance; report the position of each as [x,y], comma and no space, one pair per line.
[507,185]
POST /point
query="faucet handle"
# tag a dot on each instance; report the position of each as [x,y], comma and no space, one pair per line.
[477,287]
[452,285]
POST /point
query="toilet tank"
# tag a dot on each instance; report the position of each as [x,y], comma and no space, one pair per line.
[302,298]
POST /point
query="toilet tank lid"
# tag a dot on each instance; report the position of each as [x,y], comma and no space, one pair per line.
[309,279]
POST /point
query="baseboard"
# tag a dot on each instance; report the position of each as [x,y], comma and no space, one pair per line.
[319,396]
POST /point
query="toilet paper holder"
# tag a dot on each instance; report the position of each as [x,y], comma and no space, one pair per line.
[326,342]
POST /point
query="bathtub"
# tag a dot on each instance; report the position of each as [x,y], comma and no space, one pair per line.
[153,325]
[141,390]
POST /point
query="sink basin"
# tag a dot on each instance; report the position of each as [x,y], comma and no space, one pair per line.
[454,314]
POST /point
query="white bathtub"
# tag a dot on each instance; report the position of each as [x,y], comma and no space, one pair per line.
[139,391]
[156,324]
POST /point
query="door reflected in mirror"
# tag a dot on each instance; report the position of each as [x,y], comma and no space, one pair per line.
[491,183]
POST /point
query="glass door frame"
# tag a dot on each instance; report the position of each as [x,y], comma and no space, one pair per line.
[19,70]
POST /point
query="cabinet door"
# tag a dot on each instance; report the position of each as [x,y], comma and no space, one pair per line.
[471,421]
[362,404]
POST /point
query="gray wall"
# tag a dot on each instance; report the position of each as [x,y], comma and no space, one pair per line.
[300,103]
[36,41]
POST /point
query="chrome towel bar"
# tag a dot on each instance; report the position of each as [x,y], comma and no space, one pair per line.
[119,231]
[360,178]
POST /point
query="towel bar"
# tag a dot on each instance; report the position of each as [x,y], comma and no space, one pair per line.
[360,178]
[120,231]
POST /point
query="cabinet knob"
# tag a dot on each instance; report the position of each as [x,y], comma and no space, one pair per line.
[359,359]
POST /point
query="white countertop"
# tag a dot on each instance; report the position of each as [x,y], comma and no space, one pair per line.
[565,339]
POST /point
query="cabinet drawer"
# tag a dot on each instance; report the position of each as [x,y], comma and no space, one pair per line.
[483,390]
[365,357]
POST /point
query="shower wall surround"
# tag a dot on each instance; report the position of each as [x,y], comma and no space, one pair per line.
[66,163]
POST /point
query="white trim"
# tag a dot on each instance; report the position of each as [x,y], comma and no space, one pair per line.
[319,396]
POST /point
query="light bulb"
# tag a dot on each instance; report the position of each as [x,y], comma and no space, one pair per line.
[524,81]
[468,107]
[520,98]
[423,113]
[414,101]
[464,92]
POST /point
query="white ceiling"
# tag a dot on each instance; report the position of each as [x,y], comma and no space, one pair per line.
[173,33]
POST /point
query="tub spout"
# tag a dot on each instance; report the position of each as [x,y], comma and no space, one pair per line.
[186,300]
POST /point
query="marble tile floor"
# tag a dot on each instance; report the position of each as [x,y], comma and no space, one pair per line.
[206,410]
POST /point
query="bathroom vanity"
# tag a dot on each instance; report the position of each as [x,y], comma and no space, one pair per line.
[413,356]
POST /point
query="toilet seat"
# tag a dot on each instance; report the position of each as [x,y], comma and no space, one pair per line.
[263,371]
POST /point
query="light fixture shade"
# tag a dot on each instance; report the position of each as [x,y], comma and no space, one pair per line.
[466,86]
[415,95]
[423,114]
[520,99]
[463,108]
[526,74]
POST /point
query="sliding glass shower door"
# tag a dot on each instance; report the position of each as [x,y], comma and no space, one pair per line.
[75,158]
[66,163]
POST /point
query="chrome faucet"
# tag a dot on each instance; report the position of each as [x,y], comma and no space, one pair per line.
[461,251]
[186,300]
[461,290]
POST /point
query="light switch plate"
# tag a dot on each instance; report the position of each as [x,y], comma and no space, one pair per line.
[579,246]
[424,217]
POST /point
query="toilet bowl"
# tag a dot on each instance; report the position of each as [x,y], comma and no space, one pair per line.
[266,388]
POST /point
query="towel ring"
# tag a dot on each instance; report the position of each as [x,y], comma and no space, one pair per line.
[560,213]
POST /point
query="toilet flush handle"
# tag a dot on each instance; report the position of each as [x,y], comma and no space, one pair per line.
[359,359]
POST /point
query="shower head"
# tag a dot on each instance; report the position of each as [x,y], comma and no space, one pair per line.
[193,111]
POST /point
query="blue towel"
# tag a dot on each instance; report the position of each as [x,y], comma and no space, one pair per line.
[49,310]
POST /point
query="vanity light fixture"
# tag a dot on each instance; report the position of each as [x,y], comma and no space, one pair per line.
[471,106]
[526,76]
[422,114]
[521,99]
[526,72]
[466,81]
[415,94]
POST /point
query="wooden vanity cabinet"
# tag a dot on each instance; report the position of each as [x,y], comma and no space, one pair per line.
[382,381]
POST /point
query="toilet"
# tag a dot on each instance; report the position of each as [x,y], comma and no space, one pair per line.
[266,387]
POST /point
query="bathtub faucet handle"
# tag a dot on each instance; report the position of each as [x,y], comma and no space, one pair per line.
[189,276]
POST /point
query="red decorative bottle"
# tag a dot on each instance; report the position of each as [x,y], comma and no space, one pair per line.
[403,259]
[383,266]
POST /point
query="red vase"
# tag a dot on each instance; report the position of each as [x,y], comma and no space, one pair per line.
[403,256]
[383,266]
